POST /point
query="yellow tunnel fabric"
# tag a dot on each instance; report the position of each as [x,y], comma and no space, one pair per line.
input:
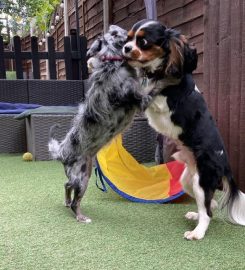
[130,177]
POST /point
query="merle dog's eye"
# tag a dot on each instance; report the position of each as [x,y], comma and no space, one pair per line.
[114,33]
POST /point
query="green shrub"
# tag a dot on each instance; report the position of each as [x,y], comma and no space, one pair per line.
[11,75]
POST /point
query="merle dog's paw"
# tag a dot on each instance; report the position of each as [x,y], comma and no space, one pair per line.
[146,101]
[83,219]
[67,203]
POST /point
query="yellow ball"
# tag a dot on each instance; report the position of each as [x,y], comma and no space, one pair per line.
[27,156]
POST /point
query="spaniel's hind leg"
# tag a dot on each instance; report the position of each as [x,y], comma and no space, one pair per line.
[203,200]
[187,184]
[80,186]
[194,215]
[187,181]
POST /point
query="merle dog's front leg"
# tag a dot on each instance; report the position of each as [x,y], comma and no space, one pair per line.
[146,101]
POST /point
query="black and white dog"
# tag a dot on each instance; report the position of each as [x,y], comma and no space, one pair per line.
[109,107]
[165,62]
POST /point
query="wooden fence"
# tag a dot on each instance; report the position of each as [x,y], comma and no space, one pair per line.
[224,75]
[74,56]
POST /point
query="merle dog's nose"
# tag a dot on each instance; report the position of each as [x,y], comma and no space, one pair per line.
[127,49]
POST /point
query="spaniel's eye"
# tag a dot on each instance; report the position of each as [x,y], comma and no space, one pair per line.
[144,42]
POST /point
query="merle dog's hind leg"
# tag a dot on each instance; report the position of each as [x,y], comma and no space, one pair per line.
[80,186]
[68,190]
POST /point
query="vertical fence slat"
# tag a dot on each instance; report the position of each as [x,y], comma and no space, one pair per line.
[224,70]
[75,63]
[212,39]
[35,58]
[235,82]
[2,64]
[206,55]
[68,58]
[83,50]
[18,57]
[51,59]
[242,103]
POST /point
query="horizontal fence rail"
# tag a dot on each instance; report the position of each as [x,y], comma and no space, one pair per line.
[74,56]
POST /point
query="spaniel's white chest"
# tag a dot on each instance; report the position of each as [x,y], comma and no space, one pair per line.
[159,117]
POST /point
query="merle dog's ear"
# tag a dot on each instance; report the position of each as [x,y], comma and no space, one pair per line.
[95,48]
[190,59]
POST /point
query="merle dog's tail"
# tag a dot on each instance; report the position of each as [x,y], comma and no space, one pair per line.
[233,201]
[53,144]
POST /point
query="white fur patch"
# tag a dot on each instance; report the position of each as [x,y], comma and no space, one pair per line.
[196,89]
[234,210]
[158,115]
[93,63]
[192,215]
[153,65]
[237,210]
[54,147]
[219,153]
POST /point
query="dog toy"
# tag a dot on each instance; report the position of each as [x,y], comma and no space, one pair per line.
[27,156]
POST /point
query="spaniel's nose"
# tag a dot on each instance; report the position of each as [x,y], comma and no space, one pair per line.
[127,49]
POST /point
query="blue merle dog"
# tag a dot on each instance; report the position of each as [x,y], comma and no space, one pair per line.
[110,105]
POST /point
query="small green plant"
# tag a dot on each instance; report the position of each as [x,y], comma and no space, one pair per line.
[11,75]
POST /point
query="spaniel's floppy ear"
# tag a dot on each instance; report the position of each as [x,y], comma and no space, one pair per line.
[175,51]
[95,48]
[181,58]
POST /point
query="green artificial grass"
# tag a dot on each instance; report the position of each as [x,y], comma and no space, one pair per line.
[38,232]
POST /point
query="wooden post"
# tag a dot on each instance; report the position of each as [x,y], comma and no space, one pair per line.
[151,9]
[66,24]
[106,14]
[2,64]
[18,58]
[35,58]
[83,18]
[46,61]
[51,59]
[68,58]
[78,37]
[75,63]
[83,50]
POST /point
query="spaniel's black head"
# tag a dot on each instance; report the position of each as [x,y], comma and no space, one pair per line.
[151,45]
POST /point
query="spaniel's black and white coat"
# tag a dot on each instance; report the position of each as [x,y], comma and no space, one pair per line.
[165,62]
